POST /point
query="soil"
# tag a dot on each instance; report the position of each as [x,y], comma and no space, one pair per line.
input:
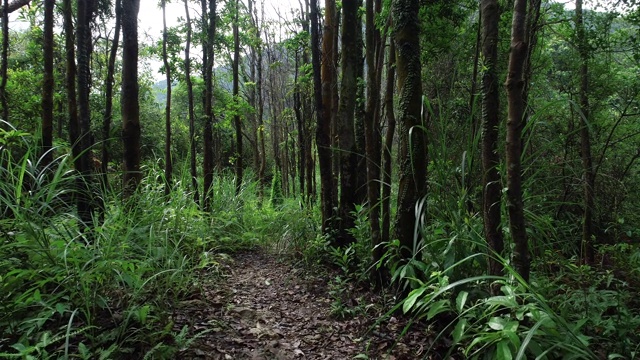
[264,308]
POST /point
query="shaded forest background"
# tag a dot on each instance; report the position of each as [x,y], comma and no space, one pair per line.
[475,160]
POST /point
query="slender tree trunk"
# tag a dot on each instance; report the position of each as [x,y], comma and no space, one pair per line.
[260,115]
[192,118]
[108,108]
[346,122]
[168,162]
[130,105]
[585,141]
[208,20]
[323,129]
[236,87]
[411,152]
[492,188]
[362,191]
[514,85]
[70,82]
[85,139]
[5,61]
[388,143]
[48,83]
[372,127]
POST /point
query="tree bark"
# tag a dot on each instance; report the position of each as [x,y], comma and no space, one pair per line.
[108,108]
[323,129]
[168,162]
[193,170]
[492,188]
[587,246]
[208,20]
[388,144]
[4,66]
[70,82]
[514,86]
[48,83]
[236,87]
[130,106]
[412,147]
[14,5]
[346,122]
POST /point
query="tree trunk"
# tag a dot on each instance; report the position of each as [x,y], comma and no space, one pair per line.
[208,20]
[168,162]
[130,106]
[514,85]
[108,108]
[70,83]
[411,152]
[236,87]
[85,139]
[323,129]
[48,83]
[492,188]
[346,122]
[5,61]
[585,141]
[388,143]
[192,118]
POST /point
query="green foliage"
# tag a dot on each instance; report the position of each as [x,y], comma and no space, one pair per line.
[276,197]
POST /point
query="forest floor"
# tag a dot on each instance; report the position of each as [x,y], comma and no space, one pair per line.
[265,308]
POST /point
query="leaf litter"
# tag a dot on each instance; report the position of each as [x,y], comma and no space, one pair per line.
[267,309]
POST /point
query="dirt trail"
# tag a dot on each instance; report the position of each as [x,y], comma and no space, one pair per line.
[266,309]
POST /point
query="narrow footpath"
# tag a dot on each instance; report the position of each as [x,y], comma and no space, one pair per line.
[267,309]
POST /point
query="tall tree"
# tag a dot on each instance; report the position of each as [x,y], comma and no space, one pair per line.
[411,154]
[83,43]
[4,65]
[168,161]
[192,117]
[129,100]
[48,82]
[388,143]
[346,121]
[208,24]
[70,81]
[585,139]
[236,87]
[323,128]
[491,187]
[108,108]
[373,46]
[514,85]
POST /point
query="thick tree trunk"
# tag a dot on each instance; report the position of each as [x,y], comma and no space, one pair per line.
[346,124]
[492,188]
[193,170]
[585,141]
[47,83]
[236,87]
[412,146]
[168,161]
[130,106]
[323,129]
[108,107]
[514,85]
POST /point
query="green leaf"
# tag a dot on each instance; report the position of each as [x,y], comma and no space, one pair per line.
[438,307]
[412,298]
[497,323]
[461,300]
[504,352]
[458,331]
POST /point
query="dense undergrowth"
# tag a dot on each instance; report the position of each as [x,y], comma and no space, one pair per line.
[111,291]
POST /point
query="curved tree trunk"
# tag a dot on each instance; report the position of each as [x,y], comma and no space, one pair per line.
[412,146]
[129,100]
[514,85]
[492,188]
